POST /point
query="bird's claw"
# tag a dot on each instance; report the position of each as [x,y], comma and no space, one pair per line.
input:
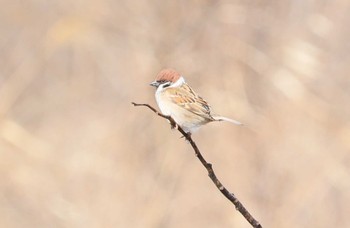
[186,136]
[173,125]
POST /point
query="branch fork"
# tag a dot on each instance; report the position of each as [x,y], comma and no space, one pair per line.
[230,196]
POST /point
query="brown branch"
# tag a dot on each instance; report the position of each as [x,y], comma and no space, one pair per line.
[230,196]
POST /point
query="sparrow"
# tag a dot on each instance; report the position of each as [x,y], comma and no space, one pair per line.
[177,99]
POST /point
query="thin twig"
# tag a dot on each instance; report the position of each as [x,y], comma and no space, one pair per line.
[230,196]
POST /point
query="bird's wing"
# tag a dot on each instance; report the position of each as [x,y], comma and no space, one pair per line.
[186,98]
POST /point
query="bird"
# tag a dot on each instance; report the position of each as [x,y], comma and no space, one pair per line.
[175,98]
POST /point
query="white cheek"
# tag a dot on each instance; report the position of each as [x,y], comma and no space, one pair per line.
[161,104]
[159,90]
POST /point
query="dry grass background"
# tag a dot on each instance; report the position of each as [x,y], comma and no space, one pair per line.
[75,153]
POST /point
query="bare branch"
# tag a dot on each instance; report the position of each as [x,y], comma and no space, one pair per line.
[230,196]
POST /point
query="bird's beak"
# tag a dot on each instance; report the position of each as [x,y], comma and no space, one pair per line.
[155,84]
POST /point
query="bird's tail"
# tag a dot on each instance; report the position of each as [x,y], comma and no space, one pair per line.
[221,118]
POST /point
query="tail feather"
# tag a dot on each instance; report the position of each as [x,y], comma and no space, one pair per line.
[222,118]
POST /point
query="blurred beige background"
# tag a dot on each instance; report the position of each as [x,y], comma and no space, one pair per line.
[75,153]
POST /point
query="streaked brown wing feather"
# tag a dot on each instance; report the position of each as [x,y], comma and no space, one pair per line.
[186,98]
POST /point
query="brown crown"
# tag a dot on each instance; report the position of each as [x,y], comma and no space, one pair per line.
[168,75]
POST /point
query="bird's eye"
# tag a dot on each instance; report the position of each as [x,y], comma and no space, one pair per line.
[167,84]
